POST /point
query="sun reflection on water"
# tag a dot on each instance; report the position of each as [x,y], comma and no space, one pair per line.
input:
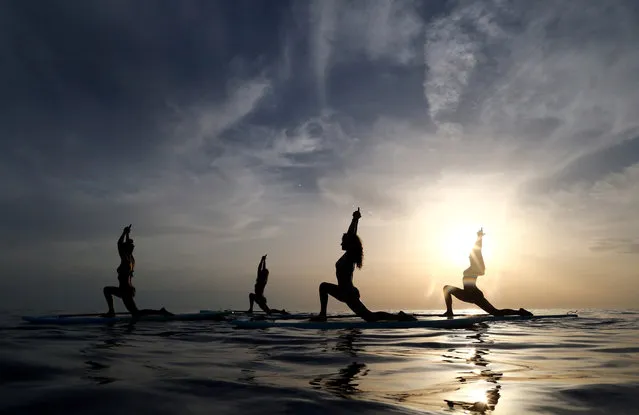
[479,389]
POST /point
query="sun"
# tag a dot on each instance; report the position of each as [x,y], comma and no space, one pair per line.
[445,230]
[451,239]
[457,242]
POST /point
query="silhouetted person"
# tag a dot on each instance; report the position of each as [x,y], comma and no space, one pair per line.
[260,284]
[470,293]
[125,290]
[345,291]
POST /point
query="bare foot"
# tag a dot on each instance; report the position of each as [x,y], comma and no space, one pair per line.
[108,314]
[448,314]
[523,312]
[166,313]
[406,317]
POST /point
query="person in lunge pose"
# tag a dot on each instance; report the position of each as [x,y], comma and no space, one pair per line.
[345,291]
[125,289]
[470,293]
[260,284]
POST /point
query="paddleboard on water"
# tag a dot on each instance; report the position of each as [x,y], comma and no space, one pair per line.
[259,315]
[262,314]
[122,318]
[360,324]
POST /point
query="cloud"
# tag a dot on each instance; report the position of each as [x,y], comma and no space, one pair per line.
[592,167]
[323,27]
[383,30]
[531,95]
[385,165]
[619,245]
[518,100]
[455,45]
[342,32]
[199,126]
[214,140]
[600,215]
[155,191]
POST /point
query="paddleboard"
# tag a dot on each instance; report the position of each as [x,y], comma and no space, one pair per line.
[97,319]
[260,315]
[360,324]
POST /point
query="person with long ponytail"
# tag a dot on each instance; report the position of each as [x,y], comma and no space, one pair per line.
[345,291]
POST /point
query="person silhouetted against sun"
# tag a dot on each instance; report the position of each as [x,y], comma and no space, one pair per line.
[470,293]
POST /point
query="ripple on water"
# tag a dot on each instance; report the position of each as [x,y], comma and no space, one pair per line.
[566,366]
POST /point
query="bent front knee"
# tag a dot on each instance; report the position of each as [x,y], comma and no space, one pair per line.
[323,287]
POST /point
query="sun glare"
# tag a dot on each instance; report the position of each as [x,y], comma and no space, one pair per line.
[456,243]
[477,394]
[444,232]
[450,238]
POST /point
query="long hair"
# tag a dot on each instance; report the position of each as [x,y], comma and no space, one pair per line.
[355,249]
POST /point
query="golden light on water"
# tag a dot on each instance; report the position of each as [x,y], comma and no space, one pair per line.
[476,393]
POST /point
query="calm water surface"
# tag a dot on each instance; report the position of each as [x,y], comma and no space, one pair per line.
[588,365]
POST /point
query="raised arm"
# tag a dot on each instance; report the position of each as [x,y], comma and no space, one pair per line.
[478,242]
[262,265]
[476,258]
[352,229]
[123,238]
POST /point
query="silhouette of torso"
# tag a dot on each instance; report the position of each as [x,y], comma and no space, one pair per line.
[260,283]
[344,268]
[127,264]
[477,267]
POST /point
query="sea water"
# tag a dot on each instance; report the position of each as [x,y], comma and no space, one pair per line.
[587,365]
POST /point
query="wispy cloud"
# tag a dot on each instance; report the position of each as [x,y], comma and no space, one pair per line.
[346,31]
[384,30]
[619,245]
[323,15]
[202,124]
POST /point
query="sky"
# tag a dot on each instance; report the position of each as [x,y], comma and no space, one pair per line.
[225,130]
